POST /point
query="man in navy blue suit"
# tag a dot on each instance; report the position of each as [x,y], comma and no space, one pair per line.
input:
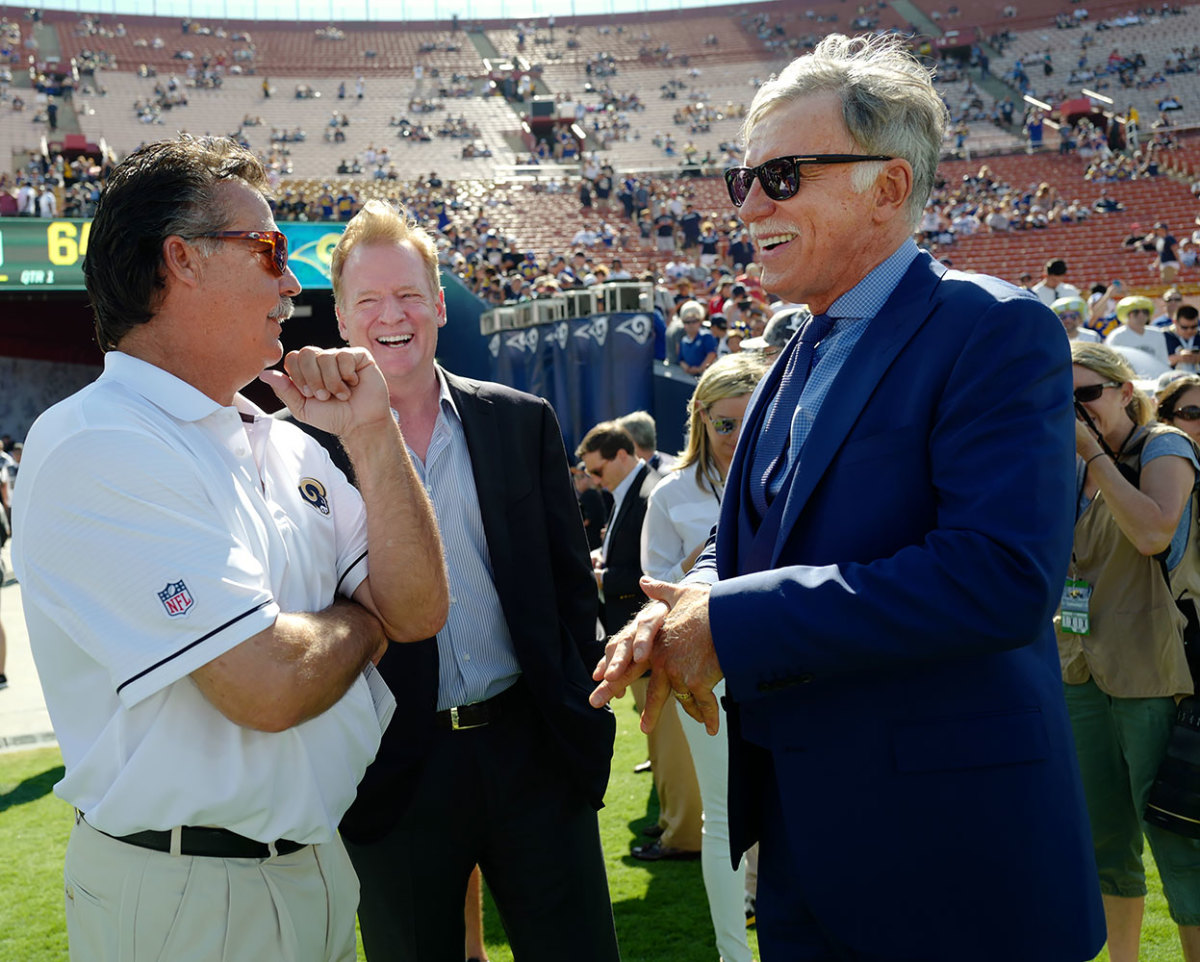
[892,545]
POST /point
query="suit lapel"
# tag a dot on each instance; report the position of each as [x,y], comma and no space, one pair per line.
[630,496]
[894,326]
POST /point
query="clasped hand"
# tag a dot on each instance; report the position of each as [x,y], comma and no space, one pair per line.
[671,636]
[335,390]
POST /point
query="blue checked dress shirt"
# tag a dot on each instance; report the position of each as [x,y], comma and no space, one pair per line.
[851,313]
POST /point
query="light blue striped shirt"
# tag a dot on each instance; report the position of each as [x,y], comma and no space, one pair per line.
[476,659]
[852,312]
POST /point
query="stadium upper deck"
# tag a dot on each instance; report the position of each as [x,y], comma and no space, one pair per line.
[610,75]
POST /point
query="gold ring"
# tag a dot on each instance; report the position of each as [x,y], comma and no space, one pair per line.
[683,695]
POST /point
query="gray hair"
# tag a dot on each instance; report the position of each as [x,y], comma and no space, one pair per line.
[889,104]
[641,427]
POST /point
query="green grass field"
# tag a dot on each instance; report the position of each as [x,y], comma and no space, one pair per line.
[660,909]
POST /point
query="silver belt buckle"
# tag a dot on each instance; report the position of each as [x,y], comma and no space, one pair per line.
[456,725]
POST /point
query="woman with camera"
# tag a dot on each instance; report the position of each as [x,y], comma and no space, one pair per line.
[1121,638]
[1179,406]
[679,516]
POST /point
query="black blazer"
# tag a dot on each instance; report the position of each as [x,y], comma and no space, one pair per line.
[623,595]
[542,573]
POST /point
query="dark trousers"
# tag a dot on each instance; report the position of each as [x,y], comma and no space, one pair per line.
[492,796]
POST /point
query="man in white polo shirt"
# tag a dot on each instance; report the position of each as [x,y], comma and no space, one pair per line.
[198,599]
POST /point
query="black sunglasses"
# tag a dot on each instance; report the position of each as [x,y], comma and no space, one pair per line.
[1090,392]
[1189,413]
[275,240]
[780,176]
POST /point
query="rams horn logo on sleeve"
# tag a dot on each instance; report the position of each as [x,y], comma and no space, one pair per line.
[313,491]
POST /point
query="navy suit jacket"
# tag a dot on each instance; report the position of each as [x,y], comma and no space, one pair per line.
[885,633]
[543,577]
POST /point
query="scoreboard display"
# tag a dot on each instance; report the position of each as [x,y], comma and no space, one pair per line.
[47,255]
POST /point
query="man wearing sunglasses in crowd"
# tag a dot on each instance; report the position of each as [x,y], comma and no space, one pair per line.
[876,596]
[1133,331]
[1171,299]
[1072,311]
[609,454]
[1183,342]
[195,578]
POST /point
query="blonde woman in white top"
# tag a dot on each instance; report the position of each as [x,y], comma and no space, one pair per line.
[681,512]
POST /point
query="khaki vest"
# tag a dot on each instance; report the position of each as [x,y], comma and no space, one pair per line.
[1135,645]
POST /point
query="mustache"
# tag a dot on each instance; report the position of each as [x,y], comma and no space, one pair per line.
[766,230]
[283,311]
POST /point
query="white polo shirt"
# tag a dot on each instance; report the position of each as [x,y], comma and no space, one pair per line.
[158,530]
[1152,341]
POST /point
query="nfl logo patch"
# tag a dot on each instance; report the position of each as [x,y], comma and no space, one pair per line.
[176,598]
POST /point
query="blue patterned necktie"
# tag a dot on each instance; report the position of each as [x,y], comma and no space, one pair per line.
[770,451]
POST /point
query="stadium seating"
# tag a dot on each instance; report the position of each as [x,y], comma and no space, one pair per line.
[1093,248]
[712,56]
[1156,39]
[221,112]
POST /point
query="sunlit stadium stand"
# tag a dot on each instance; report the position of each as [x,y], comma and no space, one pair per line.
[705,61]
[1093,248]
[221,112]
[1157,39]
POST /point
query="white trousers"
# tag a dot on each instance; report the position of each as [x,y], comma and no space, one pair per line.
[726,888]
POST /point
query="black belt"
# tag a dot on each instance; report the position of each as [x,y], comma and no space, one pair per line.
[478,714]
[208,842]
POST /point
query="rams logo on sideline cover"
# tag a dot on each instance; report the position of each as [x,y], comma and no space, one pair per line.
[313,491]
[176,598]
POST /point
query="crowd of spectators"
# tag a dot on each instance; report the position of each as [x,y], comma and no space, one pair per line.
[234,53]
[982,203]
[776,34]
[630,213]
[50,186]
[1123,68]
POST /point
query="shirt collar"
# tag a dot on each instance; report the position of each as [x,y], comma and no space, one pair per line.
[445,398]
[164,390]
[867,297]
[627,482]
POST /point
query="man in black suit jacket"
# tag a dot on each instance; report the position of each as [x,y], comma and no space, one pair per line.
[494,756]
[1183,339]
[610,456]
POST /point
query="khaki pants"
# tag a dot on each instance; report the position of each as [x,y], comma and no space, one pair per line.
[680,810]
[125,902]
